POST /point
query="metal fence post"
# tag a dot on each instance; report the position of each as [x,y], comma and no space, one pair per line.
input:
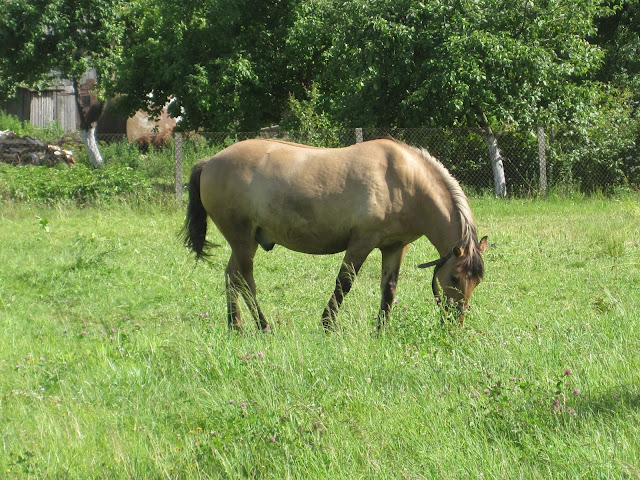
[178,156]
[359,137]
[542,161]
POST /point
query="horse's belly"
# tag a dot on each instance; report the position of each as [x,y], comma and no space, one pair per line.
[303,223]
[313,241]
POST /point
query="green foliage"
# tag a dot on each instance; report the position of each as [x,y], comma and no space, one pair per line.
[220,63]
[485,64]
[619,36]
[426,63]
[601,154]
[62,36]
[53,131]
[120,153]
[381,63]
[79,183]
[155,165]
[307,123]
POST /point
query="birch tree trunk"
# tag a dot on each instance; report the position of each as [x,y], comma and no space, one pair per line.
[491,141]
[88,123]
[497,165]
[91,144]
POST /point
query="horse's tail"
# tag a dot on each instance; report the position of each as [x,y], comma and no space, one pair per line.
[194,231]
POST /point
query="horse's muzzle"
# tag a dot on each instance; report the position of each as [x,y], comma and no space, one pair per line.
[454,310]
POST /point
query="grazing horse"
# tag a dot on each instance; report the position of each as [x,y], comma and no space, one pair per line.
[378,194]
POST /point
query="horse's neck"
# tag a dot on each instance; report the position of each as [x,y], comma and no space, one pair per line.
[443,200]
[447,235]
[444,225]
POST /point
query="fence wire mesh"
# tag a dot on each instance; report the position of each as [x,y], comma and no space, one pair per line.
[570,159]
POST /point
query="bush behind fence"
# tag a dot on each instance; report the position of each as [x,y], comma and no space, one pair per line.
[571,159]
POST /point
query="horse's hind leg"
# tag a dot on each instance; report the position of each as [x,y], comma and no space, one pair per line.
[233,310]
[391,261]
[240,279]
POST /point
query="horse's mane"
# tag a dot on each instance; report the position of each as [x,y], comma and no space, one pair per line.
[469,237]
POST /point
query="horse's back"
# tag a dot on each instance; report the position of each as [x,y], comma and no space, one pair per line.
[307,199]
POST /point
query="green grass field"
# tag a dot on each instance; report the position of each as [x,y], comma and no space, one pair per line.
[116,361]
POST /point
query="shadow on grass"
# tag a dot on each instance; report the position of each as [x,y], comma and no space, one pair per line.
[612,402]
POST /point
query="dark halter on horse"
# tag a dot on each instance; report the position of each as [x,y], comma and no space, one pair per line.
[438,263]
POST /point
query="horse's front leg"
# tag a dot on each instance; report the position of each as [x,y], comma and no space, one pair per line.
[391,261]
[350,267]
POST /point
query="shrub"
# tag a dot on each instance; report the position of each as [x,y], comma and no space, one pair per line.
[307,123]
[47,134]
[80,183]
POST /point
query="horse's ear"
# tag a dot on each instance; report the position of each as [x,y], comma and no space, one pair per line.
[458,252]
[484,243]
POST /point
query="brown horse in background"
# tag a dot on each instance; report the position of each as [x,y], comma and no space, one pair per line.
[377,194]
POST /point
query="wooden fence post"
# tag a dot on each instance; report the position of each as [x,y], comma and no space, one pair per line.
[178,157]
[542,161]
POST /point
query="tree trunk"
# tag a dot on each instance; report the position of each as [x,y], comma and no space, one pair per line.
[499,180]
[90,142]
[491,141]
[88,123]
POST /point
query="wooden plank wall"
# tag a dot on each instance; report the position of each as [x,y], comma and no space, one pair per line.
[54,105]
[45,107]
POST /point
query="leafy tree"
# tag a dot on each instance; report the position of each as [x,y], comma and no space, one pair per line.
[482,63]
[487,64]
[43,39]
[219,63]
[619,36]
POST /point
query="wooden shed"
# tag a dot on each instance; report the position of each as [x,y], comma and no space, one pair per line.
[57,104]
[40,108]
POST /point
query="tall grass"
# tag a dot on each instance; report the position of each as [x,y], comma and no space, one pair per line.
[52,131]
[117,363]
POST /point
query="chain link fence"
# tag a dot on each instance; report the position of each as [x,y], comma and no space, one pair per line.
[535,161]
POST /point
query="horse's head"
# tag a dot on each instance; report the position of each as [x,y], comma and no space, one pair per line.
[456,275]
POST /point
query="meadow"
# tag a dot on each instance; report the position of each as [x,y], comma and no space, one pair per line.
[116,361]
